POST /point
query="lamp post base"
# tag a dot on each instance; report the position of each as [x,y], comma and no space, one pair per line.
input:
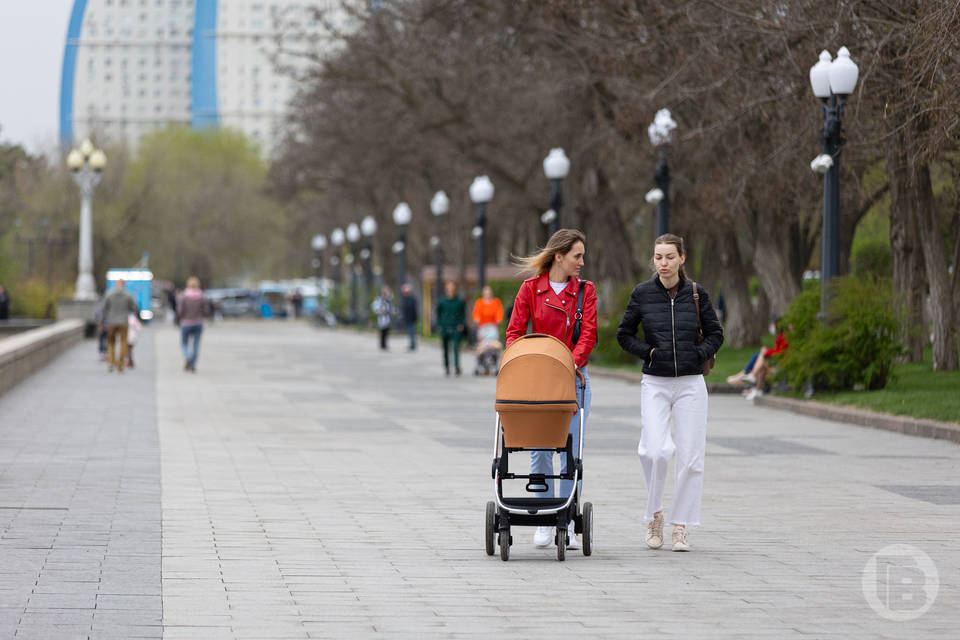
[86,288]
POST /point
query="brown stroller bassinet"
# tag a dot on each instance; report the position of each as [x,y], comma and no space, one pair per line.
[536,399]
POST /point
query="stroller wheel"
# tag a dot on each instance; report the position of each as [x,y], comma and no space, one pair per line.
[505,544]
[490,533]
[587,536]
[561,543]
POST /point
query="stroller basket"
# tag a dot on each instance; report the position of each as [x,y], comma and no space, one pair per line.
[536,392]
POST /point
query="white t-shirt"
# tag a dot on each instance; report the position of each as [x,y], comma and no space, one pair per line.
[558,286]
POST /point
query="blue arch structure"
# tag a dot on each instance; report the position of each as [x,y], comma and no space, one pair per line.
[68,74]
[203,80]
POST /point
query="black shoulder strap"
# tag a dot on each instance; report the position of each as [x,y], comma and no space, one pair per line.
[578,316]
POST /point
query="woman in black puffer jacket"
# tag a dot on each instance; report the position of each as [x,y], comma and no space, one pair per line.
[672,385]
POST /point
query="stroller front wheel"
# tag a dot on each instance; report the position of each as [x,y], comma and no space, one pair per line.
[505,544]
[587,536]
[561,544]
[490,532]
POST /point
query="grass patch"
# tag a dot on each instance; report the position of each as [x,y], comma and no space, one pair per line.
[915,390]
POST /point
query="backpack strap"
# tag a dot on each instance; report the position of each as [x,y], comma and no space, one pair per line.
[696,301]
[578,316]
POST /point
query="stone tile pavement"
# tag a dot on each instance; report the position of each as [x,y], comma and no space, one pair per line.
[313,486]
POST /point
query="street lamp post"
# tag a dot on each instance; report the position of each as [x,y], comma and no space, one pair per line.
[439,206]
[661,134]
[481,192]
[832,82]
[401,217]
[86,163]
[353,237]
[369,228]
[337,238]
[319,243]
[556,166]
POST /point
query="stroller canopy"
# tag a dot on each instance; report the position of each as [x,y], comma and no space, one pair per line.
[536,392]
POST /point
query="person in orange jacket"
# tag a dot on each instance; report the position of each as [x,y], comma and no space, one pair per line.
[487,309]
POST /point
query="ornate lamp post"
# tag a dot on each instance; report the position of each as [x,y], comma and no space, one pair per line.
[481,193]
[353,237]
[556,166]
[661,134]
[832,82]
[337,238]
[86,162]
[439,206]
[369,228]
[401,217]
[319,243]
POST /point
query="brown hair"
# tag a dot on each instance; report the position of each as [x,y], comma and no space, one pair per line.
[676,241]
[560,243]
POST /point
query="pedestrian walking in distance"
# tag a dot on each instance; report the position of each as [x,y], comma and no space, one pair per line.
[672,386]
[558,302]
[117,306]
[192,306]
[382,307]
[409,313]
[451,318]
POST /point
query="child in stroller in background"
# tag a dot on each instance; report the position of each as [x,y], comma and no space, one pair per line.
[488,350]
[487,316]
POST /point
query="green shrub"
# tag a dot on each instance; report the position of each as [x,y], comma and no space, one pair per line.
[856,347]
[34,298]
[872,258]
[607,349]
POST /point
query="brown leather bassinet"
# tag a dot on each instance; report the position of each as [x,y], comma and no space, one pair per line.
[536,392]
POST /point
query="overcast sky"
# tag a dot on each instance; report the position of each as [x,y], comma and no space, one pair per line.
[32,34]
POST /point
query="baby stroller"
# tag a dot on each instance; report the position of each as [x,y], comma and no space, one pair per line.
[488,350]
[536,398]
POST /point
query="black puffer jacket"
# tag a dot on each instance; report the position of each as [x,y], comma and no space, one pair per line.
[669,329]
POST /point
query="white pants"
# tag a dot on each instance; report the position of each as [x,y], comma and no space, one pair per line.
[685,399]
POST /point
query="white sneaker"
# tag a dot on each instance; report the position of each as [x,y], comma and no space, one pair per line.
[680,538]
[655,531]
[543,536]
[750,378]
[736,378]
[752,393]
[573,540]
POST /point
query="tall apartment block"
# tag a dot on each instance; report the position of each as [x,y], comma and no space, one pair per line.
[134,66]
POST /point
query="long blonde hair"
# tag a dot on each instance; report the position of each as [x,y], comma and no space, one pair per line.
[560,243]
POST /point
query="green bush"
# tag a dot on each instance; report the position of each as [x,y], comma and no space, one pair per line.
[872,258]
[607,350]
[856,347]
[35,298]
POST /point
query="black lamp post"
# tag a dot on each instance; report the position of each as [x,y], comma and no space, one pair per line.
[353,237]
[401,217]
[556,166]
[481,192]
[319,243]
[832,82]
[661,134]
[369,228]
[439,206]
[337,238]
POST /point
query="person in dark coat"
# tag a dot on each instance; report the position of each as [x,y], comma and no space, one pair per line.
[451,318]
[672,385]
[409,313]
[4,304]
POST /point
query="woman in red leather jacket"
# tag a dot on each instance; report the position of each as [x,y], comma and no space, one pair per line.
[549,299]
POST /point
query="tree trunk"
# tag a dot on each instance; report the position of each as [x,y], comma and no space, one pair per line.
[772,263]
[908,281]
[941,298]
[740,328]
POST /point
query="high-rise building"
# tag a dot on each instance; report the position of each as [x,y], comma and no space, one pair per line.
[133,66]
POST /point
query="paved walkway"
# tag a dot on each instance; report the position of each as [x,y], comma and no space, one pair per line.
[316,487]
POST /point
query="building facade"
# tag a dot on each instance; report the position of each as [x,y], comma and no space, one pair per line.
[134,66]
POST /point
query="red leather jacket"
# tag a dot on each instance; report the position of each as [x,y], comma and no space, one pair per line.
[554,314]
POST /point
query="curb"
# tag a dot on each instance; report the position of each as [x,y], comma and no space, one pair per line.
[864,418]
[636,376]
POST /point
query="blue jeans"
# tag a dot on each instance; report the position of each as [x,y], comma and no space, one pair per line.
[542,461]
[752,361]
[190,352]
